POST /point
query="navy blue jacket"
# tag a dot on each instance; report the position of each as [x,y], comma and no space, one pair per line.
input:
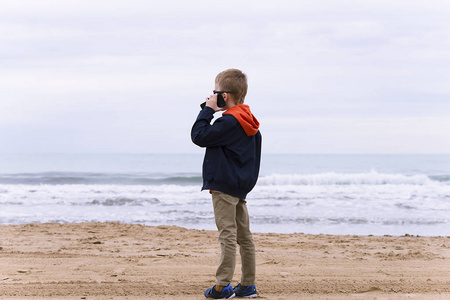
[233,150]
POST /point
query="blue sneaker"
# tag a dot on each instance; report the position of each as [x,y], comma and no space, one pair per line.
[247,292]
[226,293]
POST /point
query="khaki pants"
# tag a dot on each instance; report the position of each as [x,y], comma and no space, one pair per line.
[233,224]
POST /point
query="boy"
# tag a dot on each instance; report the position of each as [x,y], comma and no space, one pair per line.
[230,170]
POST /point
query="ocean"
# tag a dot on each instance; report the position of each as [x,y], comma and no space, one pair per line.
[316,194]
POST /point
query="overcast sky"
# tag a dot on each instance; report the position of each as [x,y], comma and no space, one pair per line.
[128,76]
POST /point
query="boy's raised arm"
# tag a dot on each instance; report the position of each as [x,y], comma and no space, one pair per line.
[204,134]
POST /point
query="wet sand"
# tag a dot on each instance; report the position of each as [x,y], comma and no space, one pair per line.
[121,261]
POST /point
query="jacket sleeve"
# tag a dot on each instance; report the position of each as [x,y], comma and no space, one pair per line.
[221,133]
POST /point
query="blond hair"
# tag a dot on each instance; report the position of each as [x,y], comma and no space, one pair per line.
[235,81]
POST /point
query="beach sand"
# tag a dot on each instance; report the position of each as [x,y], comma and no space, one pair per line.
[122,261]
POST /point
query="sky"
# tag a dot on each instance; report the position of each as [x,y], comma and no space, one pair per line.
[325,76]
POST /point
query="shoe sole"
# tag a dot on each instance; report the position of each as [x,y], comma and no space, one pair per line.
[249,296]
[232,296]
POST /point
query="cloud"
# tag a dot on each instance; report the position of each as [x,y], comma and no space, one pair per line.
[83,67]
[357,135]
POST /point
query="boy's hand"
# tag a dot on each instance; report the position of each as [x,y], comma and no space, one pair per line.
[211,101]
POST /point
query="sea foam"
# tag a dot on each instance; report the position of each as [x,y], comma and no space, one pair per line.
[332,178]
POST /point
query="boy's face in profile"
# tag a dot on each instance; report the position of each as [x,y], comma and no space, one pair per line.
[226,96]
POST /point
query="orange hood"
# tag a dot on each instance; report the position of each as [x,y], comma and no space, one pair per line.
[245,117]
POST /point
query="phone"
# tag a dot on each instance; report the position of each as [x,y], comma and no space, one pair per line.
[220,101]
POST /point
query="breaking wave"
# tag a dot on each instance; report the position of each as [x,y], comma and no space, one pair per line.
[332,178]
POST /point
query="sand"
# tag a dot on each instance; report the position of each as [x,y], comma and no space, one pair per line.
[121,261]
